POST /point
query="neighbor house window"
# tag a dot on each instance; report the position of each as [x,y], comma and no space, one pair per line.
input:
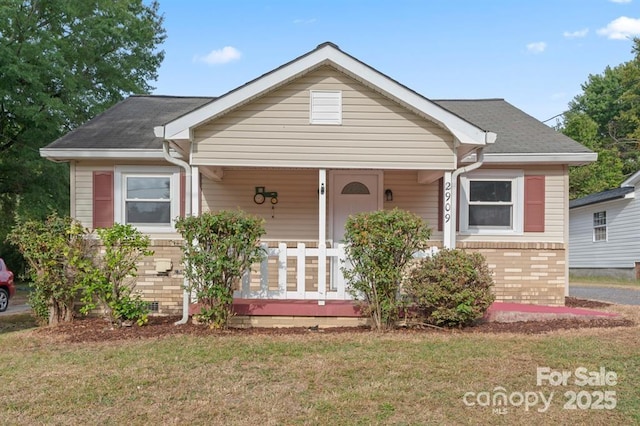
[325,107]
[600,226]
[491,202]
[147,197]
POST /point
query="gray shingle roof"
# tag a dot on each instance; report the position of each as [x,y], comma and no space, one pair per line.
[130,123]
[600,197]
[518,132]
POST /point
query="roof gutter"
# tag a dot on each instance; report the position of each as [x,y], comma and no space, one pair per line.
[187,212]
[454,190]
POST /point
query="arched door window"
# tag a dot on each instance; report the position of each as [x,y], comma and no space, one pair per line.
[355,188]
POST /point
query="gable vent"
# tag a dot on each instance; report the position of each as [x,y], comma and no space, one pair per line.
[326,107]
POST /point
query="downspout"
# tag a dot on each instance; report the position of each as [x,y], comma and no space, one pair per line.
[454,191]
[186,296]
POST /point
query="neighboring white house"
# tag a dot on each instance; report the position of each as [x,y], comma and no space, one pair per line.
[604,232]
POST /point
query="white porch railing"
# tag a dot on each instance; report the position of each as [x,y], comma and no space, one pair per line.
[299,288]
[294,280]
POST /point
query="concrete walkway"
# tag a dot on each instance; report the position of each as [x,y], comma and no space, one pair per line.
[617,295]
[16,309]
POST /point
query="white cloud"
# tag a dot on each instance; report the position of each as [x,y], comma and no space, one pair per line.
[620,1]
[537,47]
[220,56]
[622,28]
[576,34]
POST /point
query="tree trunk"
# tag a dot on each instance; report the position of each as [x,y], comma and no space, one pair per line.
[60,312]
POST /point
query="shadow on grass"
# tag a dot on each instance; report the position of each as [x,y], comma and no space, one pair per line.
[17,322]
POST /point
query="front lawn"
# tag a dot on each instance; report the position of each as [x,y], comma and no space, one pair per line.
[317,378]
[601,281]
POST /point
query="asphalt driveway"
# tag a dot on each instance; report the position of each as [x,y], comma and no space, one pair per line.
[618,295]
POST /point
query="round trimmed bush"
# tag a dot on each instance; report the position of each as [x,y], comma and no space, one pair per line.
[452,288]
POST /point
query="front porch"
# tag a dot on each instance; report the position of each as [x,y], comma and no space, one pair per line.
[297,279]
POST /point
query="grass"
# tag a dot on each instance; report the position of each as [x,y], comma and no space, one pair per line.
[604,281]
[346,379]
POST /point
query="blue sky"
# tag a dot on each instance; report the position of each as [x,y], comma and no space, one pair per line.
[533,53]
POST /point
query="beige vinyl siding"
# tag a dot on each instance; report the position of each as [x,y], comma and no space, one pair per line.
[275,131]
[83,199]
[408,194]
[294,218]
[84,192]
[556,201]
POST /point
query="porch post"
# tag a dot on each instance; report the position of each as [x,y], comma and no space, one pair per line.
[195,190]
[322,235]
[448,227]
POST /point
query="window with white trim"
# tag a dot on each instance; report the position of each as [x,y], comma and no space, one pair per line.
[147,197]
[600,226]
[325,107]
[492,202]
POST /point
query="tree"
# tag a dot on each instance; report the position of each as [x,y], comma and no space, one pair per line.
[219,248]
[606,118]
[606,173]
[60,258]
[379,246]
[61,63]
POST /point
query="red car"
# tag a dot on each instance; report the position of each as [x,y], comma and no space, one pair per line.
[7,289]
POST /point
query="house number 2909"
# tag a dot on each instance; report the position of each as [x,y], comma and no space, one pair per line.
[447,202]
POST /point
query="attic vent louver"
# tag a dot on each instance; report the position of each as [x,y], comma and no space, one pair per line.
[326,107]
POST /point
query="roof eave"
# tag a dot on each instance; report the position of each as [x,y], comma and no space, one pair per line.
[68,154]
[464,131]
[569,158]
[632,180]
[626,196]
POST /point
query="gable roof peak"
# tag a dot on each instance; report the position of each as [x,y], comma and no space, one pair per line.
[463,131]
[328,43]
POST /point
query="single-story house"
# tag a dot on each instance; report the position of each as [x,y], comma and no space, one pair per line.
[604,232]
[304,146]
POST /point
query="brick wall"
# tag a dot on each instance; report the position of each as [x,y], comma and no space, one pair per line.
[159,284]
[525,272]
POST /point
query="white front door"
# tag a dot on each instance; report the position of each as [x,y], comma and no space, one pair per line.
[353,192]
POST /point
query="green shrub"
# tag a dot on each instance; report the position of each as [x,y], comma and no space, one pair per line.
[113,280]
[59,258]
[379,246]
[218,249]
[452,288]
[132,308]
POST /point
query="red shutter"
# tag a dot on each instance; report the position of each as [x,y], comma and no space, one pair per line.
[102,199]
[183,195]
[534,192]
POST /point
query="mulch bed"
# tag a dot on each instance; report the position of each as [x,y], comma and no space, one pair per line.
[97,330]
